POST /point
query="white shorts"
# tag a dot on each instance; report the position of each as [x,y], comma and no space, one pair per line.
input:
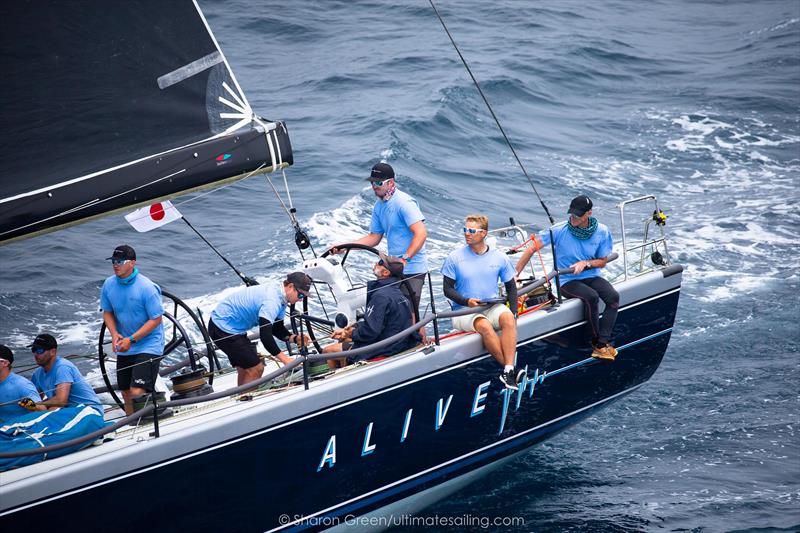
[467,322]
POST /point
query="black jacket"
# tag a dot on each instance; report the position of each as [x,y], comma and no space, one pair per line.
[388,312]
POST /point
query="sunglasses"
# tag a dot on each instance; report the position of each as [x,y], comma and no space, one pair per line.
[119,261]
[471,231]
[300,295]
[38,350]
[379,183]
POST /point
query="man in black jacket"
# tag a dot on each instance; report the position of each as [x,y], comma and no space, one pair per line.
[387,313]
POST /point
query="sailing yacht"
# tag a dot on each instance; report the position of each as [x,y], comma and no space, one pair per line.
[158,104]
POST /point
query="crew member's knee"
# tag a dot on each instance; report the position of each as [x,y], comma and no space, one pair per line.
[506,320]
[612,298]
[483,326]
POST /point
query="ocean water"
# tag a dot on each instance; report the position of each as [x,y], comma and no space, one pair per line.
[694,101]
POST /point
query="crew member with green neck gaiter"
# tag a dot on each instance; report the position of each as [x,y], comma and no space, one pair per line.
[583,244]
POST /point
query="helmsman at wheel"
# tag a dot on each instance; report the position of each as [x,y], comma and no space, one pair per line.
[397,215]
[263,306]
[132,312]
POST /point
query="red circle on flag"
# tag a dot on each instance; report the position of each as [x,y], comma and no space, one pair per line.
[157,211]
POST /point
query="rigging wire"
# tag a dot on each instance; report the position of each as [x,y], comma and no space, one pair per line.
[486,101]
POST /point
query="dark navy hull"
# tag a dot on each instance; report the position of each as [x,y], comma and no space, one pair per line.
[385,445]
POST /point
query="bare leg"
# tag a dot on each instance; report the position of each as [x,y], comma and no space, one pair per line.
[490,338]
[335,348]
[246,375]
[508,340]
[126,397]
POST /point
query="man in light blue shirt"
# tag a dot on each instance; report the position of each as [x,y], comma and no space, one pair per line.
[584,245]
[58,379]
[132,312]
[263,306]
[470,275]
[397,216]
[14,389]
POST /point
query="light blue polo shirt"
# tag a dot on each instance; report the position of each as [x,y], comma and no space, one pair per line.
[571,249]
[476,275]
[133,305]
[13,389]
[240,311]
[393,219]
[64,371]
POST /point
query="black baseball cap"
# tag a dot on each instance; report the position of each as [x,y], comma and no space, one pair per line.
[123,251]
[302,282]
[580,205]
[381,171]
[6,353]
[392,264]
[44,340]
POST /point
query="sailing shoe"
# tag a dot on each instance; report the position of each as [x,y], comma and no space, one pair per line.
[606,352]
[521,373]
[509,379]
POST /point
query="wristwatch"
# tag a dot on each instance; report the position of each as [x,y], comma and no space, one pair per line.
[132,339]
[405,257]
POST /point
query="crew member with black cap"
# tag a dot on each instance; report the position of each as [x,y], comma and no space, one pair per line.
[263,306]
[15,390]
[397,215]
[584,245]
[388,312]
[132,312]
[58,379]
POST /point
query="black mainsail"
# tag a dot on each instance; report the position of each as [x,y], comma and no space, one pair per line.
[111,105]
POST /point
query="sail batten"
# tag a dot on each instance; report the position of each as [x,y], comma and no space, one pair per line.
[103,96]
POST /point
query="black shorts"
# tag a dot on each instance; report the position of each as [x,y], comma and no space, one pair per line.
[138,370]
[240,351]
[412,289]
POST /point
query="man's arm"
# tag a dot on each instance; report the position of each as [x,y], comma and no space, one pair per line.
[418,240]
[59,397]
[371,239]
[451,293]
[586,264]
[511,295]
[145,330]
[528,253]
[111,324]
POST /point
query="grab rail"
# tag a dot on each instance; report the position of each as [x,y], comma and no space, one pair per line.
[151,410]
[645,243]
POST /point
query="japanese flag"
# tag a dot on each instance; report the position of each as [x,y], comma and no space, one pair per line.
[153,216]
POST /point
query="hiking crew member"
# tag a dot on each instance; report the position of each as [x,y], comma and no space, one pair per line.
[584,245]
[263,306]
[470,280]
[15,390]
[132,312]
[59,379]
[388,312]
[397,215]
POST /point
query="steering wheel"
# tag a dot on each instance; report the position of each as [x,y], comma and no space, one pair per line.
[347,247]
[180,345]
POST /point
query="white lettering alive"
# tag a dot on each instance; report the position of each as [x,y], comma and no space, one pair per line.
[477,408]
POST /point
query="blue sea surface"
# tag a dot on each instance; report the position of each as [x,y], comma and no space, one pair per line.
[695,101]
